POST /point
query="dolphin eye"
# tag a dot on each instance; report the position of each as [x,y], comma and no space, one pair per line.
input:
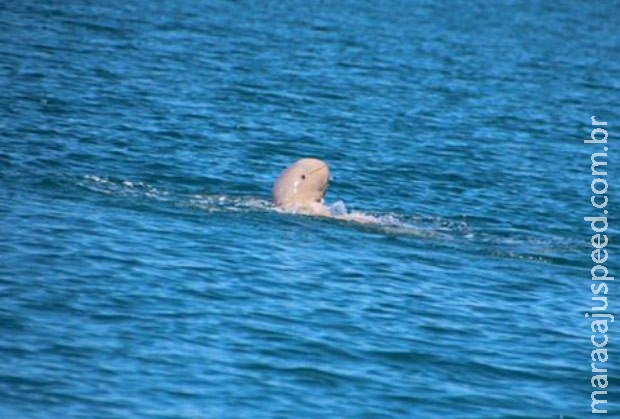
[303,176]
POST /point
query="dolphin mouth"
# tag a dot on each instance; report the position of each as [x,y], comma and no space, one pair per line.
[318,170]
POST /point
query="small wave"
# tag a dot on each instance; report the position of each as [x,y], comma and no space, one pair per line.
[397,224]
[390,223]
[222,203]
[109,186]
[509,244]
[142,190]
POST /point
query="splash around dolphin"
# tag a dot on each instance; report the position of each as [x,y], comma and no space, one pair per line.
[302,187]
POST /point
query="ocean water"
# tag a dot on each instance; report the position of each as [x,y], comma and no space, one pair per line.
[144,272]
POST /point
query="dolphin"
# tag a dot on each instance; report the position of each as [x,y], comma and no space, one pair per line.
[302,187]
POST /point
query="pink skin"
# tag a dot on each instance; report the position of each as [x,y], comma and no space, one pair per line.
[302,187]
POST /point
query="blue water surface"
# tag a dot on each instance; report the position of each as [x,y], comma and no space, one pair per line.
[144,272]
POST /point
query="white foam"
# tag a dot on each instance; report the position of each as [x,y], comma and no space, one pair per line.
[108,186]
[338,208]
[386,222]
[222,203]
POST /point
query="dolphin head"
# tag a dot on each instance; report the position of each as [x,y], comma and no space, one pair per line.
[301,185]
